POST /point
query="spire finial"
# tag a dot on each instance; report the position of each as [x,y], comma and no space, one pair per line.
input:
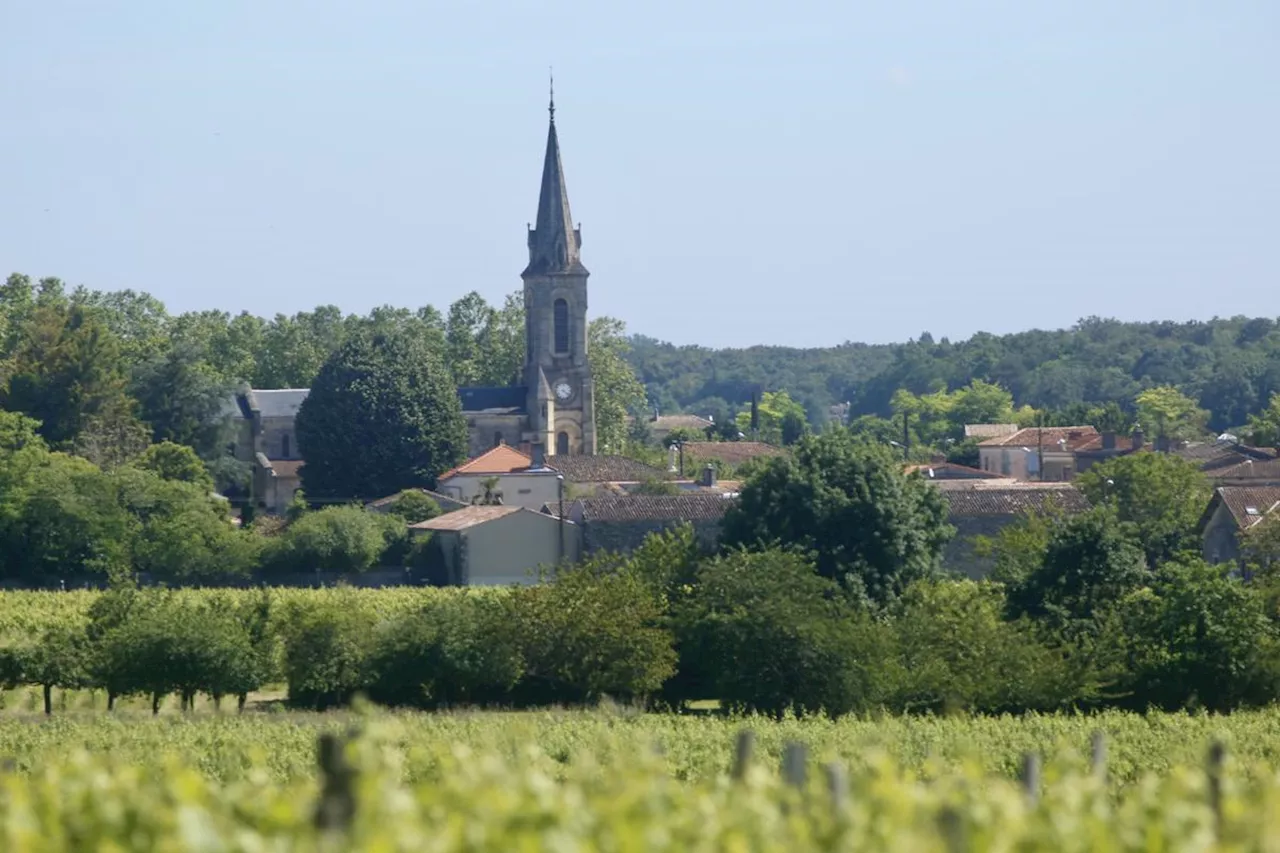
[552,107]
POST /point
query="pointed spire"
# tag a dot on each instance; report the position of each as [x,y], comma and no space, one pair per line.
[553,242]
[551,108]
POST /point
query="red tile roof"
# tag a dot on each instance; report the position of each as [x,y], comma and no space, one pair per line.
[1050,438]
[951,471]
[989,430]
[502,459]
[604,469]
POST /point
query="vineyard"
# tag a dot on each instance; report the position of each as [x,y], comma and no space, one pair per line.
[615,780]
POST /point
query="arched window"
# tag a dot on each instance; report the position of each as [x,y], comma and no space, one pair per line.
[562,444]
[284,446]
[562,326]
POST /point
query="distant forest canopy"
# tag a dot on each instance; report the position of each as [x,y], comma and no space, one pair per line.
[127,344]
[1230,366]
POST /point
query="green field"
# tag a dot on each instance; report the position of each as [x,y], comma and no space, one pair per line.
[614,779]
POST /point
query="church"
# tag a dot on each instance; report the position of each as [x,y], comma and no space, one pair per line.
[551,414]
[553,411]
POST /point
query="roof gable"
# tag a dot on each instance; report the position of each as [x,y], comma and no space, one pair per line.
[503,459]
[1049,438]
[1247,505]
[1009,500]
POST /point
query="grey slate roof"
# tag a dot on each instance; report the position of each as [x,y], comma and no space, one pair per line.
[686,507]
[277,402]
[603,469]
[554,243]
[510,400]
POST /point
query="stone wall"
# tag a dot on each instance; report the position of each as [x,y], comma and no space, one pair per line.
[484,427]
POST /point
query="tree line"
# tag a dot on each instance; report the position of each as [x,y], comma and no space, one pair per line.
[1230,368]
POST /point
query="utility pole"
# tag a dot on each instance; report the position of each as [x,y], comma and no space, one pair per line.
[560,514]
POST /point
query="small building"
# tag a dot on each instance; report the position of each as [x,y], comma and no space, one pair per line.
[661,426]
[519,481]
[1231,511]
[984,508]
[1036,453]
[981,431]
[729,454]
[262,421]
[500,545]
[1229,463]
[446,503]
[621,522]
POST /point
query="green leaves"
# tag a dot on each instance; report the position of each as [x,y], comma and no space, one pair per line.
[849,503]
[382,416]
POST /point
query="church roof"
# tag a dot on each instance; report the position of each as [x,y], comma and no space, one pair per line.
[554,242]
[507,400]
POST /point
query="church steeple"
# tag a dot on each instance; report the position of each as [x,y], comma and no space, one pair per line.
[554,243]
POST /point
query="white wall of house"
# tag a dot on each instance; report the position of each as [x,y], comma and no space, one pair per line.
[509,550]
[531,490]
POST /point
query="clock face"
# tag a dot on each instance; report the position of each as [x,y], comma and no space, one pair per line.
[563,391]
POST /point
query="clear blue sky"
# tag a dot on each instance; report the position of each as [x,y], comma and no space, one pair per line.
[744,172]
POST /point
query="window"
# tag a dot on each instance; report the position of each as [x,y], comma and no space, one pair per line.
[284,446]
[562,326]
[562,444]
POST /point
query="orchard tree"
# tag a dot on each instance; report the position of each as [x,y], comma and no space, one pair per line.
[382,416]
[850,503]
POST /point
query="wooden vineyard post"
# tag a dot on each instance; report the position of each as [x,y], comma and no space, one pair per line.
[1098,756]
[1217,758]
[1031,777]
[337,806]
[743,753]
[794,760]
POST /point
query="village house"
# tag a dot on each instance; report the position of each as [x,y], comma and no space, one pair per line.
[499,545]
[1231,511]
[981,509]
[502,474]
[621,523]
[1036,453]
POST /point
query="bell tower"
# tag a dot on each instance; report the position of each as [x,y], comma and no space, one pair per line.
[555,301]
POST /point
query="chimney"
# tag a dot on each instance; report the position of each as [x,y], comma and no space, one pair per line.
[539,455]
[1108,441]
[709,476]
[1139,438]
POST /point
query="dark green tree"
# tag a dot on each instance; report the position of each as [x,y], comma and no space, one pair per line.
[175,462]
[1091,561]
[1162,495]
[849,502]
[382,416]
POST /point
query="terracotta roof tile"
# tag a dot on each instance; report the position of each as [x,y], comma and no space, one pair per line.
[1072,437]
[730,452]
[951,471]
[285,467]
[502,459]
[604,469]
[685,507]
